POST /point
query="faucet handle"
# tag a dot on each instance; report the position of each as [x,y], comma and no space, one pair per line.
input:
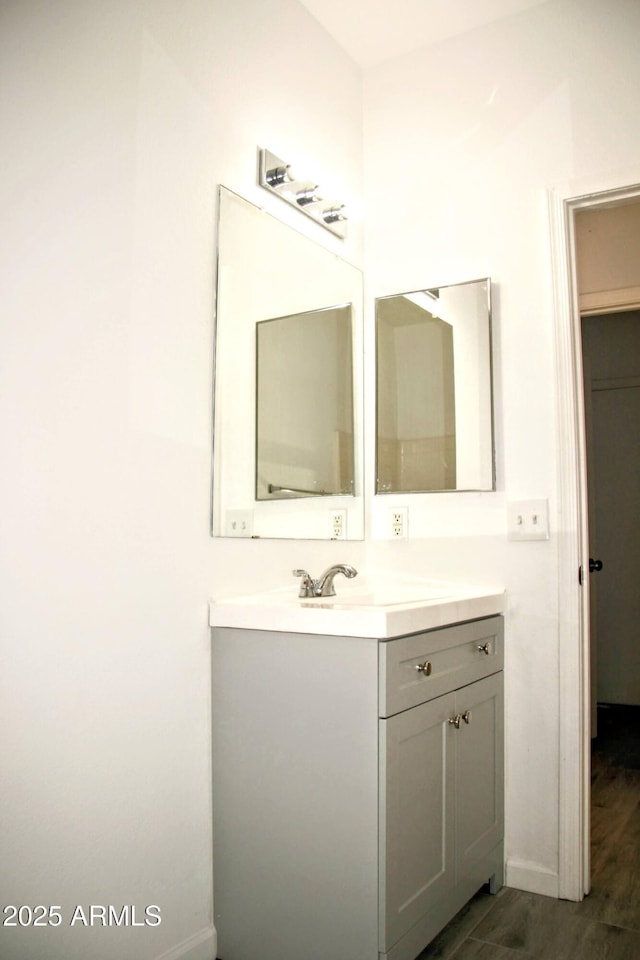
[306,586]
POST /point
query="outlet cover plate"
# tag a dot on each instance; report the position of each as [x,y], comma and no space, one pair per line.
[398,523]
[238,523]
[338,524]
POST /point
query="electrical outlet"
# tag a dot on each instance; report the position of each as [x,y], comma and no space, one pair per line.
[528,520]
[239,523]
[338,524]
[399,519]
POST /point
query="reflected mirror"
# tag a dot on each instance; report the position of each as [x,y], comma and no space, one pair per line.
[287,448]
[304,412]
[434,390]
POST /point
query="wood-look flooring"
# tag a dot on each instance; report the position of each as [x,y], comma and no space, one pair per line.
[515,925]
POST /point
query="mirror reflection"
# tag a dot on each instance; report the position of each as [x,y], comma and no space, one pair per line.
[287,448]
[304,412]
[434,391]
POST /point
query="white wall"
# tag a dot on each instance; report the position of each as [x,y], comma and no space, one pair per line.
[462,141]
[118,121]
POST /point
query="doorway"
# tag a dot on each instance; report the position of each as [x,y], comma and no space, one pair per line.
[611,365]
[573,540]
[607,254]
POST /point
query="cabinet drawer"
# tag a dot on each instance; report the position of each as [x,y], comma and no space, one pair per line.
[417,668]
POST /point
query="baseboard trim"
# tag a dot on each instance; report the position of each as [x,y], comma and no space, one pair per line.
[532,878]
[202,945]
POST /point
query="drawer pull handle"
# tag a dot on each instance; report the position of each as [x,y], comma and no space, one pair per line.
[466,716]
[424,668]
[485,647]
[455,721]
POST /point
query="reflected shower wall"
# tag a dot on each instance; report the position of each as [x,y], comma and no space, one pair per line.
[304,405]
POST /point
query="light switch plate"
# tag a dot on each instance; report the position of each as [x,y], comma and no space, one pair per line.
[528,520]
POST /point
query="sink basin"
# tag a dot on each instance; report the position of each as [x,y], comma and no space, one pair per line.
[375,609]
[382,597]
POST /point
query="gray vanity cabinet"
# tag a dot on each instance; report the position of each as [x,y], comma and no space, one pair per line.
[352,819]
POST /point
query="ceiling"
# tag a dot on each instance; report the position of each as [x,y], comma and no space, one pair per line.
[375,30]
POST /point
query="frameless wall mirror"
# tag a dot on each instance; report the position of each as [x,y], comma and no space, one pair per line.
[287,448]
[434,390]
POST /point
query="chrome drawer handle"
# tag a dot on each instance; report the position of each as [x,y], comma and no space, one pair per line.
[424,668]
[455,721]
[466,716]
[485,647]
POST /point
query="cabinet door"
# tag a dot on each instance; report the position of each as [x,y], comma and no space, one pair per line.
[416,814]
[479,762]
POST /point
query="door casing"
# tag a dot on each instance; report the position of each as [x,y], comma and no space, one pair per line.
[573,542]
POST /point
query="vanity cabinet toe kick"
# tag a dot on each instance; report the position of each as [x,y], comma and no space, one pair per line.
[357,788]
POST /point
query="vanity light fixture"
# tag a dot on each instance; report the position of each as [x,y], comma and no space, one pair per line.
[278,177]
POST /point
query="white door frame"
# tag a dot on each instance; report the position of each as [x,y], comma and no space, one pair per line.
[573,540]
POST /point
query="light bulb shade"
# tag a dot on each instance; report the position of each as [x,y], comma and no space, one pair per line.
[334,214]
[278,176]
[308,195]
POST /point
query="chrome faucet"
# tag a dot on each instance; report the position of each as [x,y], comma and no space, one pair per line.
[323,586]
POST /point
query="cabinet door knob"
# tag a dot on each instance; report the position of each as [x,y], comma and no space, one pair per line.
[466,716]
[424,668]
[455,721]
[485,647]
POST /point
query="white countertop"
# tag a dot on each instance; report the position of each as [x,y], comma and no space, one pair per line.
[361,609]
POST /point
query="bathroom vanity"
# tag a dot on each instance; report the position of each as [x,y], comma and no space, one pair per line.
[357,773]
